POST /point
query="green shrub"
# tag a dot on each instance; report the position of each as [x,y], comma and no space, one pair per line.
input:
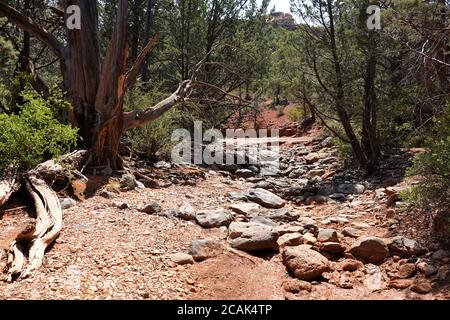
[34,134]
[433,166]
[296,114]
[153,142]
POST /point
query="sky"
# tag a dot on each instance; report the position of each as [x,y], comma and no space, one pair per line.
[281,5]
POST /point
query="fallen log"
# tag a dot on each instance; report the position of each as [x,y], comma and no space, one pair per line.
[27,250]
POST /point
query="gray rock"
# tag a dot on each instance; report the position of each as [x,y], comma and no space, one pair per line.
[426,268]
[182,258]
[140,185]
[282,214]
[162,165]
[290,240]
[151,208]
[370,249]
[120,205]
[244,173]
[106,194]
[440,254]
[214,219]
[186,211]
[305,264]
[405,247]
[237,196]
[128,182]
[319,199]
[348,188]
[251,236]
[350,232]
[246,209]
[263,220]
[327,235]
[265,198]
[308,223]
[201,250]
[67,203]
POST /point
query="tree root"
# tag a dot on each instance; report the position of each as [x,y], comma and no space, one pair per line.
[27,251]
[38,237]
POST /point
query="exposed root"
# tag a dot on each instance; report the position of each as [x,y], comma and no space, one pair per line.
[37,238]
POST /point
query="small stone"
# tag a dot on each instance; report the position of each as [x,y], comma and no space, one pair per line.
[332,247]
[346,281]
[265,198]
[309,238]
[350,265]
[444,273]
[426,269]
[422,287]
[400,283]
[186,211]
[128,182]
[440,254]
[201,250]
[182,258]
[214,219]
[67,203]
[245,208]
[406,271]
[296,286]
[350,232]
[290,240]
[244,173]
[327,235]
[151,208]
[237,196]
[106,194]
[308,223]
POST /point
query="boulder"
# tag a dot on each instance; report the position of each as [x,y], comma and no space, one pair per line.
[214,219]
[370,249]
[304,263]
[251,236]
[265,198]
[405,247]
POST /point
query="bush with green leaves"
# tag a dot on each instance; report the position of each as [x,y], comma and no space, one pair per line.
[434,166]
[34,134]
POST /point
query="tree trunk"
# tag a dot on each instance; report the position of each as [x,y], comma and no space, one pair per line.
[369,139]
[339,101]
